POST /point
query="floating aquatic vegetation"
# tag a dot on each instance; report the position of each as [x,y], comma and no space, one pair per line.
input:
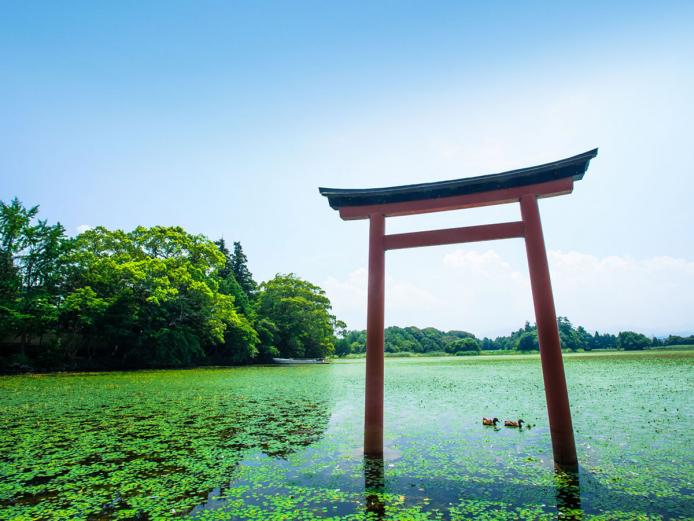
[284,442]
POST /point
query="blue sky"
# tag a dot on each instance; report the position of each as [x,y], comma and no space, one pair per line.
[225,117]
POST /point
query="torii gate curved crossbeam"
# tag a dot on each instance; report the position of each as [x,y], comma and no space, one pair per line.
[524,186]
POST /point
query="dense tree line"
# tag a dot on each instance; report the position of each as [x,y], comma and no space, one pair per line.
[411,340]
[432,340]
[151,297]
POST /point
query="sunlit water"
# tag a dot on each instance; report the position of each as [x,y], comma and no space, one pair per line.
[285,442]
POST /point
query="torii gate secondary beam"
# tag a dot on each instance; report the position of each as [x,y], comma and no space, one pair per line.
[485,232]
[524,186]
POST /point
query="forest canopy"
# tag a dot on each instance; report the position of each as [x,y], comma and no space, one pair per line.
[151,297]
[412,340]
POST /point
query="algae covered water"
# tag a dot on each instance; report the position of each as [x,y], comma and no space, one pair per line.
[285,442]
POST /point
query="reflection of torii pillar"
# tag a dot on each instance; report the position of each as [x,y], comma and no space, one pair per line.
[525,186]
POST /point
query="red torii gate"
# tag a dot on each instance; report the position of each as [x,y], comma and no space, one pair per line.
[525,186]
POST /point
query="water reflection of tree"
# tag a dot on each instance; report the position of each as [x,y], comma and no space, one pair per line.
[288,425]
[284,411]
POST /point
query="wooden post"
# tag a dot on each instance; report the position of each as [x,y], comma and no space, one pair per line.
[373,413]
[556,393]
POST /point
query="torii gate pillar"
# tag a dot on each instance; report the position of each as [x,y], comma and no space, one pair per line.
[524,186]
[556,393]
[373,401]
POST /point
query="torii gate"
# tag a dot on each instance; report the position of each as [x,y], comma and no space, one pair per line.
[525,185]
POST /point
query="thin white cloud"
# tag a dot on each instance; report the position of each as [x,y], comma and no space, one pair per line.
[615,292]
[405,300]
[488,294]
[83,228]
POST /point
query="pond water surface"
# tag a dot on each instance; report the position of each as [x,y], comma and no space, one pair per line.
[282,443]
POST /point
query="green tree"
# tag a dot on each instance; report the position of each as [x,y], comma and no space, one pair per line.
[239,266]
[568,336]
[267,334]
[155,295]
[10,285]
[604,341]
[30,256]
[14,220]
[301,312]
[464,345]
[674,340]
[527,342]
[585,340]
[351,342]
[631,341]
[228,284]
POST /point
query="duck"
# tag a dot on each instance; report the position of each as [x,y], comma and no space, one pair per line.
[490,421]
[518,424]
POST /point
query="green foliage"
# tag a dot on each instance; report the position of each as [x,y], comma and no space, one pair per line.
[676,340]
[301,312]
[239,267]
[150,297]
[228,285]
[527,342]
[267,333]
[631,341]
[464,345]
[409,339]
[429,340]
[143,445]
[467,353]
[152,294]
[568,336]
[605,341]
[31,261]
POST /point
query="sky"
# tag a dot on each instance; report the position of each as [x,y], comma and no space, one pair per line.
[225,117]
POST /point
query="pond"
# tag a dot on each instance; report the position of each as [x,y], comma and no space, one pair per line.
[281,443]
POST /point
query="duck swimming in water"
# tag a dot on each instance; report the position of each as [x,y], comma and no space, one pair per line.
[490,421]
[515,424]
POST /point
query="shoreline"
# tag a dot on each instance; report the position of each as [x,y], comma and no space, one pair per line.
[488,355]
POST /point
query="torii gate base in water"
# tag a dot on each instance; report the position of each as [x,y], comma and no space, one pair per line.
[525,186]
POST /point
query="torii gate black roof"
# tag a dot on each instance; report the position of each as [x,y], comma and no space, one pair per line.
[574,167]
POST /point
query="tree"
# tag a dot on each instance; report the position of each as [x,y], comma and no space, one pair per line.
[156,296]
[228,284]
[585,340]
[10,285]
[605,341]
[267,334]
[631,341]
[301,312]
[464,345]
[30,265]
[342,346]
[350,342]
[675,340]
[527,342]
[239,266]
[567,334]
